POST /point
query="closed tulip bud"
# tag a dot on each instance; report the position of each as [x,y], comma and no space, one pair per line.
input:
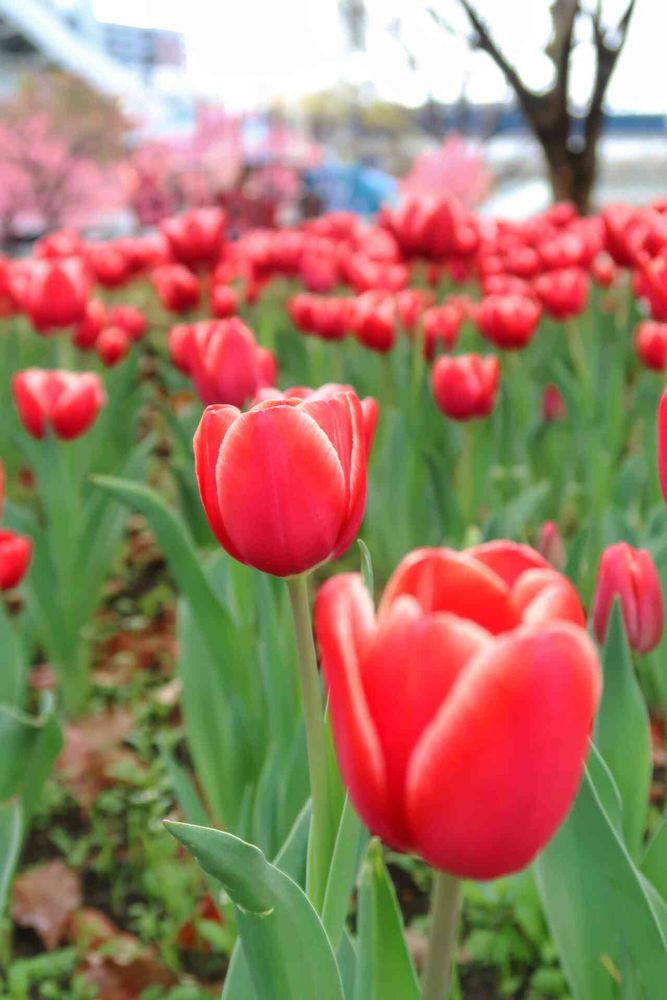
[15,553]
[444,703]
[130,319]
[178,288]
[224,301]
[110,266]
[630,575]
[112,345]
[553,404]
[563,293]
[196,237]
[94,320]
[508,321]
[465,386]
[442,325]
[67,403]
[651,344]
[603,271]
[54,292]
[283,485]
[550,545]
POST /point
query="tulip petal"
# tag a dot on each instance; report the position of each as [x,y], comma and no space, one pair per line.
[508,559]
[213,426]
[544,595]
[281,489]
[412,662]
[344,624]
[445,580]
[496,772]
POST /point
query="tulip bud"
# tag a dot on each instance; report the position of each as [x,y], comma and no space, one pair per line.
[564,292]
[54,293]
[442,325]
[651,344]
[112,345]
[130,319]
[178,288]
[373,320]
[550,545]
[630,575]
[94,320]
[465,386]
[508,321]
[65,402]
[15,553]
[224,301]
[196,237]
[553,404]
[283,485]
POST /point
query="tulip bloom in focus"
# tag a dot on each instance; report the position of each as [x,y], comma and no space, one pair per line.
[461,711]
[283,485]
[630,575]
[465,386]
[65,402]
[369,405]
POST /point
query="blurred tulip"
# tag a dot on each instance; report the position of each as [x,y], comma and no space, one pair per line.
[603,271]
[54,292]
[94,320]
[630,575]
[651,344]
[373,319]
[465,386]
[224,301]
[563,293]
[283,485]
[15,553]
[110,266]
[553,404]
[508,321]
[130,319]
[442,325]
[177,287]
[112,345]
[196,237]
[485,654]
[65,402]
[550,545]
[223,359]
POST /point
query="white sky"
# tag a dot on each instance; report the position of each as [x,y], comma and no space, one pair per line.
[245,52]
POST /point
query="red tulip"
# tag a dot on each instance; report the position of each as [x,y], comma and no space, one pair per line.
[65,402]
[461,711]
[442,325]
[54,292]
[373,318]
[224,301]
[651,344]
[112,345]
[603,271]
[130,319]
[508,321]
[94,320]
[563,293]
[550,545]
[283,485]
[553,404]
[15,553]
[196,237]
[223,359]
[465,386]
[110,266]
[629,575]
[63,243]
[369,405]
[177,287]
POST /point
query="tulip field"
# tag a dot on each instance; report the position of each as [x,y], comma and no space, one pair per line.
[332,563]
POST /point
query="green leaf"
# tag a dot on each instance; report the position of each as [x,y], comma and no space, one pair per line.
[597,908]
[351,840]
[654,865]
[11,834]
[366,566]
[622,731]
[284,943]
[384,967]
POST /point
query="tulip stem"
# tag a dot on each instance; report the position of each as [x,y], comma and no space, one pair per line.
[318,848]
[445,905]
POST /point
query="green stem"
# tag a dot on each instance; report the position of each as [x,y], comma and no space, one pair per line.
[445,904]
[319,846]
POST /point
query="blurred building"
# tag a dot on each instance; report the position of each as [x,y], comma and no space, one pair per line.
[118,60]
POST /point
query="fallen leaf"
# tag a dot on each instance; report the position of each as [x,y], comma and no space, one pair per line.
[123,968]
[92,753]
[44,898]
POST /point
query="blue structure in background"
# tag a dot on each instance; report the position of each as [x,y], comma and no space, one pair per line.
[350,187]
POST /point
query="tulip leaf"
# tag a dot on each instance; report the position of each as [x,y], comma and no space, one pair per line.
[654,865]
[351,839]
[622,732]
[600,915]
[384,966]
[11,835]
[283,940]
[366,566]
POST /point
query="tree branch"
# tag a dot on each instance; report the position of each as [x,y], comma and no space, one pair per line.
[607,57]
